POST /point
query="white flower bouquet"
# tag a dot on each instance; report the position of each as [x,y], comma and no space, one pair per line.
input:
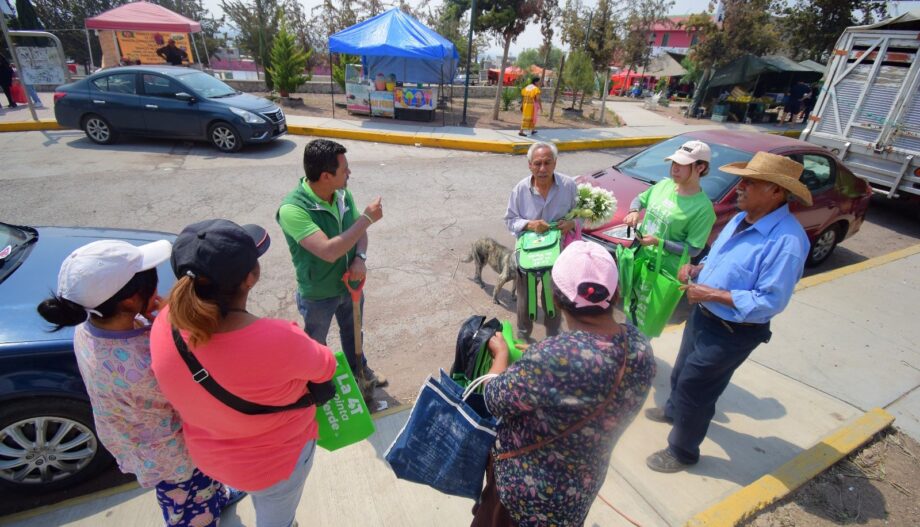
[594,206]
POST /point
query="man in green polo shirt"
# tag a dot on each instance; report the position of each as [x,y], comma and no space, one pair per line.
[327,236]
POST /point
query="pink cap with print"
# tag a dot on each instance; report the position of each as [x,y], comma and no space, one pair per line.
[580,269]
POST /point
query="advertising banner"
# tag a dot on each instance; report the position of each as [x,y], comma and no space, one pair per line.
[382,103]
[414,98]
[143,45]
[40,65]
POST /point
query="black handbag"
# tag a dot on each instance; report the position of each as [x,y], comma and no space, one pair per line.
[318,393]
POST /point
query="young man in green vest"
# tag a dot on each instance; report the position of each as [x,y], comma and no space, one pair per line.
[327,236]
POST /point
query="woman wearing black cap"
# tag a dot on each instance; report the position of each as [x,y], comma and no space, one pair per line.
[262,361]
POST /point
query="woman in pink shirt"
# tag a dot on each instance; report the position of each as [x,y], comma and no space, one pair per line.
[259,360]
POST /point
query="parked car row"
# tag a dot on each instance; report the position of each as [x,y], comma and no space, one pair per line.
[166,101]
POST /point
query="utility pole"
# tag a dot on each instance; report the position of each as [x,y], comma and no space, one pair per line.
[469,55]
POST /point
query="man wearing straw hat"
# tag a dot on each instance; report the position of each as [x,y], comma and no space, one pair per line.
[747,279]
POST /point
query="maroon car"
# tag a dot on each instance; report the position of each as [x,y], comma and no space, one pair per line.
[840,198]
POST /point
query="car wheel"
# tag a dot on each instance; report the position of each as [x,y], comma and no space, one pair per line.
[823,246]
[224,137]
[99,130]
[48,444]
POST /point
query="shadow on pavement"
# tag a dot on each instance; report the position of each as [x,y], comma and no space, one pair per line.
[13,502]
[744,454]
[276,148]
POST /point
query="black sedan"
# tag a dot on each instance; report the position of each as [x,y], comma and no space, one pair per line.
[166,101]
[47,437]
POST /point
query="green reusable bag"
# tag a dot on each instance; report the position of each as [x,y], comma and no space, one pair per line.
[536,255]
[657,292]
[484,358]
[626,268]
[345,419]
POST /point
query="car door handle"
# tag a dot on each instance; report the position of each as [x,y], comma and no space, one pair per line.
[152,106]
[96,101]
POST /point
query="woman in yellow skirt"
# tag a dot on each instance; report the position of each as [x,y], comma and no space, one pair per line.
[530,106]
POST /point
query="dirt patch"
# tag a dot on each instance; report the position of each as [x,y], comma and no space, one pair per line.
[478,113]
[875,486]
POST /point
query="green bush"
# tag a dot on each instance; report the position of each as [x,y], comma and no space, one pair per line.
[508,95]
[287,62]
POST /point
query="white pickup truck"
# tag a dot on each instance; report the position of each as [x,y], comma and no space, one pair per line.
[868,112]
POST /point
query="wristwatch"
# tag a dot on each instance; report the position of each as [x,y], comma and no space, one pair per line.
[362,256]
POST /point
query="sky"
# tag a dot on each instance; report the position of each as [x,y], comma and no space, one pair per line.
[531,38]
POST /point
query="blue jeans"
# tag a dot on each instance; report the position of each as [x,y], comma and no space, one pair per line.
[317,317]
[710,352]
[276,506]
[32,94]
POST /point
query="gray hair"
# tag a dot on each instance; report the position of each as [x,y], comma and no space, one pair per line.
[538,145]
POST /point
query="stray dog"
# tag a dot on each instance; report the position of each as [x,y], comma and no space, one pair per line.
[500,259]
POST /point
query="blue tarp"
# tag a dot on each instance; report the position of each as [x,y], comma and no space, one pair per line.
[394,42]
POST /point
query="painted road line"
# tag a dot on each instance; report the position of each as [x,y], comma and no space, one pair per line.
[747,501]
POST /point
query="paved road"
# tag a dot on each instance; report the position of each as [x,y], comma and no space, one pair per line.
[436,202]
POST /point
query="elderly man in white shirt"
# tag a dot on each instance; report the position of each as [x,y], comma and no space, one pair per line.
[543,197]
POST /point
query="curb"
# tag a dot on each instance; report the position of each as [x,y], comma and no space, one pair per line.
[749,500]
[431,140]
[30,126]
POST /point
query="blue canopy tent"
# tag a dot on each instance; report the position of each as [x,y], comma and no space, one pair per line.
[394,42]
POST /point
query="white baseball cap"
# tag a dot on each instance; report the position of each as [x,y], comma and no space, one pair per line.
[691,152]
[93,273]
[586,274]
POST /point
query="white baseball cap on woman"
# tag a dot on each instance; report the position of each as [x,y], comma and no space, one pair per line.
[691,152]
[93,273]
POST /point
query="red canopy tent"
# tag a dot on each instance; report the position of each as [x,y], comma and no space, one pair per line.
[511,75]
[144,16]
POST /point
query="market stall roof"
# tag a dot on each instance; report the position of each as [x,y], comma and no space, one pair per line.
[394,42]
[663,65]
[143,16]
[814,66]
[749,67]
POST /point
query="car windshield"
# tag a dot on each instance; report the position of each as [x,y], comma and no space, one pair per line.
[206,85]
[651,167]
[12,242]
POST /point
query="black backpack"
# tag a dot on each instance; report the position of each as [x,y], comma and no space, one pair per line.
[472,338]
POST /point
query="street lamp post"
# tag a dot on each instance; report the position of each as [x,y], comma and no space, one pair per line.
[469,56]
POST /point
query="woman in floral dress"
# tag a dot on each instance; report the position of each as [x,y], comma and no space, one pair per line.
[565,403]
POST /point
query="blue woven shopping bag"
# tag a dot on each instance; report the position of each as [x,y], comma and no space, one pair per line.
[446,441]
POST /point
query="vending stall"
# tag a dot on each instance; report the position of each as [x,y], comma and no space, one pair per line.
[404,66]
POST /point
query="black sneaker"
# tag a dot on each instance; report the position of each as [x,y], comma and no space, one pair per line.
[658,415]
[522,134]
[371,375]
[664,461]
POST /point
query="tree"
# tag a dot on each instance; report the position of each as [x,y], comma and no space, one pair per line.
[747,27]
[56,14]
[574,22]
[602,39]
[506,20]
[338,68]
[549,16]
[641,20]
[530,57]
[257,21]
[287,62]
[810,28]
[578,75]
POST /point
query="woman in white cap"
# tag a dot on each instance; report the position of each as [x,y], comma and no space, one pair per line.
[108,290]
[564,404]
[676,208]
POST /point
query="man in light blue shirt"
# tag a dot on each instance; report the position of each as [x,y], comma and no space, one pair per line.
[747,279]
[537,200]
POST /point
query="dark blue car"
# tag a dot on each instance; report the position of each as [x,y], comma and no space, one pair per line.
[47,437]
[166,101]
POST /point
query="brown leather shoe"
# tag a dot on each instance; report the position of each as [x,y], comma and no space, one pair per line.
[658,415]
[664,461]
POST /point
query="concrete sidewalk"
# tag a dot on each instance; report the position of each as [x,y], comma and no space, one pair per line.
[844,344]
[645,128]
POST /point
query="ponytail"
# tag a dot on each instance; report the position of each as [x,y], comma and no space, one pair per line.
[189,311]
[62,312]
